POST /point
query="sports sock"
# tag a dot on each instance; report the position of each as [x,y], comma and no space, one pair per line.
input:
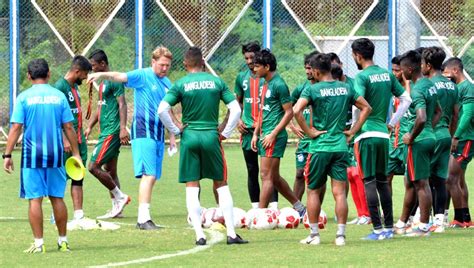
[313,228]
[298,206]
[400,224]
[424,226]
[341,229]
[438,219]
[62,239]
[143,213]
[194,210]
[458,215]
[117,193]
[227,206]
[273,205]
[78,214]
[466,215]
[39,242]
[372,201]
[254,204]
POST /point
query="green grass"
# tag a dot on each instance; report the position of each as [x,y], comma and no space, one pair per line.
[266,248]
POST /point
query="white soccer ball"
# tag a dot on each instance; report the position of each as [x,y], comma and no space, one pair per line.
[203,210]
[212,215]
[322,221]
[288,218]
[264,219]
[249,217]
[239,218]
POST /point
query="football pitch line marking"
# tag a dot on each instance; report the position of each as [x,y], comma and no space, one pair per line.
[216,237]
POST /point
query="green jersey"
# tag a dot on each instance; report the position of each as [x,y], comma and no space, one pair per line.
[73,98]
[465,129]
[308,117]
[199,94]
[330,102]
[248,87]
[108,108]
[350,82]
[275,93]
[423,95]
[448,97]
[377,86]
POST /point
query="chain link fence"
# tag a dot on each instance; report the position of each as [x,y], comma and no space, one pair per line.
[444,23]
[57,30]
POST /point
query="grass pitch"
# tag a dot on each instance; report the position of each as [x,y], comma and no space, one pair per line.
[266,248]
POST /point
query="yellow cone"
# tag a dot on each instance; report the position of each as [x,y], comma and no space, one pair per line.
[75,169]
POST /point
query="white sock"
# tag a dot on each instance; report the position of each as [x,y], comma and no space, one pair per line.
[273,205]
[400,224]
[439,219]
[39,242]
[227,206]
[62,239]
[194,210]
[78,214]
[143,212]
[255,205]
[314,229]
[117,193]
[424,226]
[341,229]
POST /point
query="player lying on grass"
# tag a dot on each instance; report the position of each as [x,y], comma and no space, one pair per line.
[202,155]
[44,113]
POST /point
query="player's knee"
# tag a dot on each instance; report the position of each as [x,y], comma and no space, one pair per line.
[77,182]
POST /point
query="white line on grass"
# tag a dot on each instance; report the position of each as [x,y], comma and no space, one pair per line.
[216,237]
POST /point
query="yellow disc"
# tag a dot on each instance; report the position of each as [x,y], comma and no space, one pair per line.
[75,169]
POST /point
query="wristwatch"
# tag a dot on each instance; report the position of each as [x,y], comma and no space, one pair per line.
[6,156]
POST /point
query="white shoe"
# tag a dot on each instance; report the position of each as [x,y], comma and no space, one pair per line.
[82,224]
[364,220]
[354,221]
[340,240]
[119,205]
[311,240]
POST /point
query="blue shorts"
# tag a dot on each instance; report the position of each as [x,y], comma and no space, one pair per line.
[147,157]
[41,182]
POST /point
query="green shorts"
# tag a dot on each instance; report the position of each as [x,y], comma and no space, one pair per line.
[419,155]
[276,150]
[351,156]
[464,153]
[396,160]
[301,154]
[201,156]
[372,156]
[322,164]
[246,139]
[440,159]
[82,152]
[107,149]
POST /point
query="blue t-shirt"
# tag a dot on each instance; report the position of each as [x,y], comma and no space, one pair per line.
[149,91]
[42,110]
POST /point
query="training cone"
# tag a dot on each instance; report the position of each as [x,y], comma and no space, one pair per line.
[75,169]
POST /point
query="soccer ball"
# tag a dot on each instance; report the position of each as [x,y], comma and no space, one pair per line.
[323,220]
[203,210]
[212,215]
[249,216]
[264,219]
[239,218]
[288,218]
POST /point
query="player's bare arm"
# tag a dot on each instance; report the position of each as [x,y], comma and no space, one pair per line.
[454,120]
[241,126]
[254,141]
[365,110]
[66,144]
[124,135]
[71,137]
[269,139]
[420,122]
[112,76]
[93,121]
[298,113]
[295,129]
[13,135]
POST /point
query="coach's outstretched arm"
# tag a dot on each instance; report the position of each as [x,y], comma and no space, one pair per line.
[233,118]
[112,76]
[165,117]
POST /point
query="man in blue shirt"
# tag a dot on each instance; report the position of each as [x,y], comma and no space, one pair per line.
[44,112]
[147,132]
